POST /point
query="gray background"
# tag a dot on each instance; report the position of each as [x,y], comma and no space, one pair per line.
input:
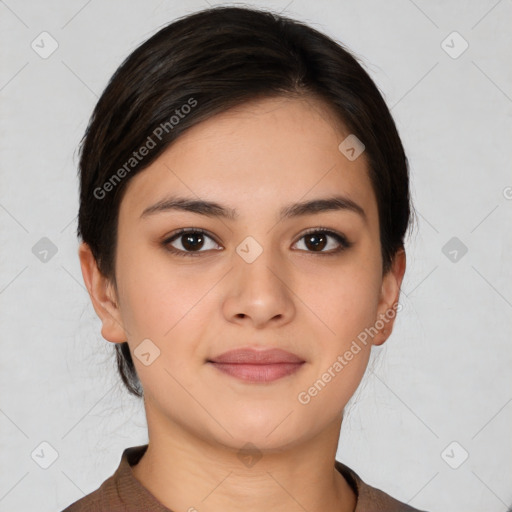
[443,376]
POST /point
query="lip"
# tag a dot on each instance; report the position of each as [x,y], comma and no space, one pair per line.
[252,356]
[257,365]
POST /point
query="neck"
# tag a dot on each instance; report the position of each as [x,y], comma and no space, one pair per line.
[187,472]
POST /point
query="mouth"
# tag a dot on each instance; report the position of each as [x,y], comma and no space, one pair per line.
[257,365]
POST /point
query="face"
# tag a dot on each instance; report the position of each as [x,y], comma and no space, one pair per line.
[309,282]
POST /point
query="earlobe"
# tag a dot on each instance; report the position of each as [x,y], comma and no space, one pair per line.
[390,295]
[103,298]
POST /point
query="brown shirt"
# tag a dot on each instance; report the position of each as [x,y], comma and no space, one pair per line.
[122,492]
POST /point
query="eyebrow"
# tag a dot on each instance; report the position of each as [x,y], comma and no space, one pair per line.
[213,209]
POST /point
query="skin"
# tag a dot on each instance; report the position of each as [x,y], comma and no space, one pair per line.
[255,158]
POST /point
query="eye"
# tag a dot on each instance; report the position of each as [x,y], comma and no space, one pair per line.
[317,239]
[191,241]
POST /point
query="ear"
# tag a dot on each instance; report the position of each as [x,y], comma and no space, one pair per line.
[103,297]
[390,293]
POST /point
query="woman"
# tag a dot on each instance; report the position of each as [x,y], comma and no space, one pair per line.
[244,199]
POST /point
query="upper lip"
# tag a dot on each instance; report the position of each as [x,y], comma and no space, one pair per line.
[252,356]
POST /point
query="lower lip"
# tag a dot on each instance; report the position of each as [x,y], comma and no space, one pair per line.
[258,372]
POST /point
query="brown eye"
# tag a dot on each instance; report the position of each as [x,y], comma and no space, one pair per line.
[192,241]
[188,242]
[317,240]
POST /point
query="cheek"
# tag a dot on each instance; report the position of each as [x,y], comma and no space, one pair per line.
[167,305]
[156,295]
[346,307]
[161,306]
[345,301]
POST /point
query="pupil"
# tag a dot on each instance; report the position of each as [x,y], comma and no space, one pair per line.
[315,244]
[189,244]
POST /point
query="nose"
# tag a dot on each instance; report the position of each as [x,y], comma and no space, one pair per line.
[260,292]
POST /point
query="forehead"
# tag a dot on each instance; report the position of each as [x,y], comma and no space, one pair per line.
[262,153]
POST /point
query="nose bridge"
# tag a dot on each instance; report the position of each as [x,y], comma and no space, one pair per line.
[258,260]
[259,290]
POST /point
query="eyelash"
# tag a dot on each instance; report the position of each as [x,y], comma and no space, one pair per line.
[344,243]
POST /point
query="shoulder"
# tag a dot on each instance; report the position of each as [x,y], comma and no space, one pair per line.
[371,499]
[103,498]
[121,491]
